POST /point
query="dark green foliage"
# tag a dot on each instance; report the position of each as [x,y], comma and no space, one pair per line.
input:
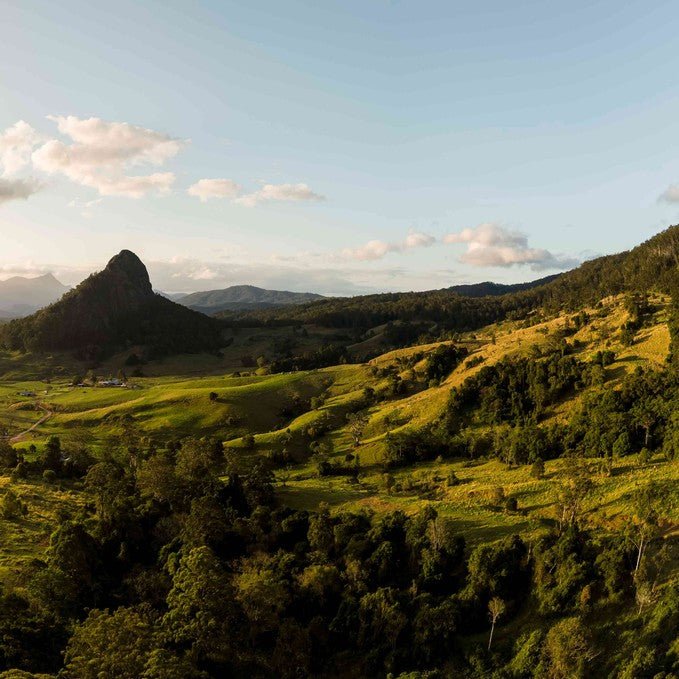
[113,309]
[443,360]
[8,456]
[515,390]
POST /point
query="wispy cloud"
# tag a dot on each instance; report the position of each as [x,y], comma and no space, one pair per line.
[377,249]
[280,193]
[214,188]
[101,154]
[85,206]
[491,245]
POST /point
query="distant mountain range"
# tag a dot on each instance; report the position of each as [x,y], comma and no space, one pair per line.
[20,296]
[242,298]
[111,310]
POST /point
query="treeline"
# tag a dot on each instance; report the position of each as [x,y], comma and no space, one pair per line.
[497,413]
[651,265]
[184,567]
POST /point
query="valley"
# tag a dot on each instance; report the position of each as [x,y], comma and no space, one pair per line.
[524,450]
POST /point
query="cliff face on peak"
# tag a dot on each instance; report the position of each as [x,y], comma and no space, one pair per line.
[110,310]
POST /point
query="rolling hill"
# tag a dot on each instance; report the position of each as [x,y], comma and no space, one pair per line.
[652,264]
[244,297]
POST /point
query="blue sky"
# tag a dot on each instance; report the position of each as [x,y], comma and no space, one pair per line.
[359,145]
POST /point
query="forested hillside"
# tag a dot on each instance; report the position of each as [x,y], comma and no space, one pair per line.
[110,310]
[652,264]
[498,503]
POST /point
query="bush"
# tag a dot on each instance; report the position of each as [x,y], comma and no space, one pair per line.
[497,496]
[12,506]
[537,469]
[49,476]
[20,471]
[511,504]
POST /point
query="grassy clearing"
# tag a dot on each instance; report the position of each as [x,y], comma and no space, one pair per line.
[472,504]
[27,538]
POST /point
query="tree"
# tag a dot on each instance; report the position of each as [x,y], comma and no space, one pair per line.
[108,644]
[537,470]
[156,478]
[646,412]
[643,527]
[52,455]
[357,423]
[262,594]
[201,614]
[645,595]
[575,487]
[496,608]
[8,456]
[567,650]
[12,506]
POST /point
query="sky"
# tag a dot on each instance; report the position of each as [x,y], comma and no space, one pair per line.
[336,147]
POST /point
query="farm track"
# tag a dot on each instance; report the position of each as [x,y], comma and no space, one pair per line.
[48,413]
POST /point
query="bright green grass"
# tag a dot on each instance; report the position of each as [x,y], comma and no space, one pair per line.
[27,538]
[470,503]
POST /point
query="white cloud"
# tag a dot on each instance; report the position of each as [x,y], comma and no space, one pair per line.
[491,245]
[280,192]
[670,194]
[16,144]
[14,189]
[214,188]
[417,239]
[85,206]
[376,249]
[102,152]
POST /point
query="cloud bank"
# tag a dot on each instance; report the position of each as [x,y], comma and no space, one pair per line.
[104,155]
[491,245]
[101,154]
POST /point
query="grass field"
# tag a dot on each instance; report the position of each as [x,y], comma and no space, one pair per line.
[26,538]
[473,502]
[173,399]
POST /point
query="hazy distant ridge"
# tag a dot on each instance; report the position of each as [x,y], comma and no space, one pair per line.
[20,296]
[240,297]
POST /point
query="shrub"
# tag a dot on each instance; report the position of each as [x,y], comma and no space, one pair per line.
[12,506]
[49,476]
[537,469]
[511,504]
